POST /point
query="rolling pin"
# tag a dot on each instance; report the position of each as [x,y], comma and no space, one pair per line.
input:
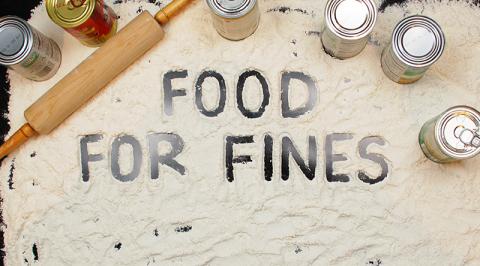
[93,74]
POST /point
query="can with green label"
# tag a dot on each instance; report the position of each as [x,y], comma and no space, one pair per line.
[453,135]
[417,42]
[26,50]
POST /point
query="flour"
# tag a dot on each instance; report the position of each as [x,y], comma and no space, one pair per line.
[421,214]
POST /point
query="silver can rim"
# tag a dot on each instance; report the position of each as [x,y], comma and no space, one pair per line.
[418,20]
[26,29]
[248,6]
[439,133]
[336,29]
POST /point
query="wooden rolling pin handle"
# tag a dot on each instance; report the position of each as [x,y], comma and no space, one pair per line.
[166,14]
[20,137]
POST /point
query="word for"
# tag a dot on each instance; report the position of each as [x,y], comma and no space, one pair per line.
[176,146]
[308,165]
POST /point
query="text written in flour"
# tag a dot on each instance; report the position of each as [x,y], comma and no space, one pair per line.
[165,149]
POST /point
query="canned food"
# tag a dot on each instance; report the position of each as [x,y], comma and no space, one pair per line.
[452,136]
[417,42]
[26,50]
[347,26]
[90,21]
[235,19]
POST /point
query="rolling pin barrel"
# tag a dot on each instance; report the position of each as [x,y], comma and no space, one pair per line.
[81,84]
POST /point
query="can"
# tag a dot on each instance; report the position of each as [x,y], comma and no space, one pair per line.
[347,26]
[451,136]
[26,50]
[235,19]
[92,22]
[417,42]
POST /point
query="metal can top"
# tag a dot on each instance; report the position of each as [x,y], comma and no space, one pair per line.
[351,19]
[418,41]
[231,8]
[70,13]
[451,127]
[16,40]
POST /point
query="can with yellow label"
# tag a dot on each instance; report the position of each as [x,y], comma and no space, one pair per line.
[91,21]
[417,42]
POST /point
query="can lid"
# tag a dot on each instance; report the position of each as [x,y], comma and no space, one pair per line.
[69,13]
[15,40]
[231,8]
[457,132]
[351,19]
[418,41]
[469,137]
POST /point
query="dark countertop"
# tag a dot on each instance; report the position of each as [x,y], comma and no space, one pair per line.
[21,8]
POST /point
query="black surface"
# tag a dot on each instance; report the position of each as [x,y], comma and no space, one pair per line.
[22,8]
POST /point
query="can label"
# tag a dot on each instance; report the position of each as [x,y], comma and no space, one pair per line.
[43,60]
[397,71]
[341,48]
[98,28]
[429,145]
[237,28]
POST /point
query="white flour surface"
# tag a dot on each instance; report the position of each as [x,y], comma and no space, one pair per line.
[421,214]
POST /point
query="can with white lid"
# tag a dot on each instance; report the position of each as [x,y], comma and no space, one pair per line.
[26,50]
[348,24]
[235,19]
[417,42]
[452,136]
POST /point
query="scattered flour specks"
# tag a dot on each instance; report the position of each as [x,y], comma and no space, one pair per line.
[422,214]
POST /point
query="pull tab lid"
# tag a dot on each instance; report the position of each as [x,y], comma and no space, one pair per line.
[70,13]
[470,137]
[457,132]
